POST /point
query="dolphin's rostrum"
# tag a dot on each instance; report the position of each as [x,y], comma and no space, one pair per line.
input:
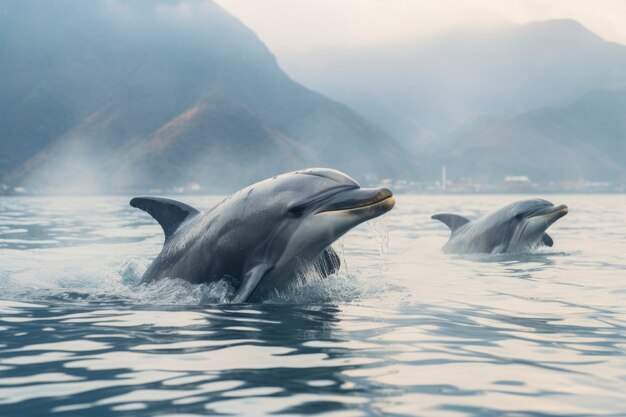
[518,227]
[263,235]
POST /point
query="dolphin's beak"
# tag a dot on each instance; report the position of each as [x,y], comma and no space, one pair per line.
[365,203]
[550,214]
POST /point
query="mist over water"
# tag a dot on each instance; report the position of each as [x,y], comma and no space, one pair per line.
[403,329]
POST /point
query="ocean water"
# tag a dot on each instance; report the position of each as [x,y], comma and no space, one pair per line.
[402,330]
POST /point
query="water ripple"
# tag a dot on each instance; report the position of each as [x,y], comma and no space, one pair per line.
[403,330]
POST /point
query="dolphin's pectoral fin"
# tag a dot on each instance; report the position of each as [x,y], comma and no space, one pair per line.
[547,240]
[250,282]
[327,263]
[501,248]
[453,221]
[169,213]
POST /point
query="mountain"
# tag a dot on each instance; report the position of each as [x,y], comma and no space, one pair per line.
[585,139]
[109,94]
[416,90]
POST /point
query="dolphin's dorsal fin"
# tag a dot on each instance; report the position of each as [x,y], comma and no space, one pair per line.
[169,213]
[547,240]
[453,221]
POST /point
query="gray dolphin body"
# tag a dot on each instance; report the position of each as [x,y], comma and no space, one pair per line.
[263,235]
[518,227]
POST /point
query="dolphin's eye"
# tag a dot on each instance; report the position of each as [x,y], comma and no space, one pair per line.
[295,211]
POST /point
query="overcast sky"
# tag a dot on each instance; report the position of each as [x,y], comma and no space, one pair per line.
[306,24]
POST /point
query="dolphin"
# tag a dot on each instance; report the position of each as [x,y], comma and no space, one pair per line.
[518,227]
[264,235]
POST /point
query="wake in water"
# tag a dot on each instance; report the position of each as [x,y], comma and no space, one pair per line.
[541,255]
[83,275]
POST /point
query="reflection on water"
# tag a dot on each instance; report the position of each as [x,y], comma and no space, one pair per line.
[403,330]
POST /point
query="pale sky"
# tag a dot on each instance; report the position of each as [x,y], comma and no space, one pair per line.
[305,24]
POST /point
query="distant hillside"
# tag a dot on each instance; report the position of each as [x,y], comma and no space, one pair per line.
[585,139]
[108,95]
[417,90]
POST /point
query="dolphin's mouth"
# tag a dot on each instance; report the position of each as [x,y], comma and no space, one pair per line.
[535,224]
[547,216]
[360,201]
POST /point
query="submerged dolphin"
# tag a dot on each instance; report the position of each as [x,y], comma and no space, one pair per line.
[518,227]
[264,235]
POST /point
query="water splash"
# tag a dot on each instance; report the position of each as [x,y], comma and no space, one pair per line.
[379,229]
[175,291]
[120,284]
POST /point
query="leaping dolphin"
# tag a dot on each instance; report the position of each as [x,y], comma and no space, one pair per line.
[518,227]
[263,235]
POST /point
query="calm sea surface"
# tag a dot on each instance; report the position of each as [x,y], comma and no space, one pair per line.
[402,330]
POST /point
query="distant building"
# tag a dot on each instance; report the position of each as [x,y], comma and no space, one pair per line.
[193,187]
[443,178]
[516,179]
[517,182]
[584,186]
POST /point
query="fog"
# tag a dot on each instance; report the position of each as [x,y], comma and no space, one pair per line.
[298,25]
[165,95]
[180,95]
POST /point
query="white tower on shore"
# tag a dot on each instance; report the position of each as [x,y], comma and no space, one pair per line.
[443,178]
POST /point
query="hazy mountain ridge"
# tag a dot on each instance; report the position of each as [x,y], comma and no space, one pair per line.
[584,139]
[520,100]
[155,94]
[416,88]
